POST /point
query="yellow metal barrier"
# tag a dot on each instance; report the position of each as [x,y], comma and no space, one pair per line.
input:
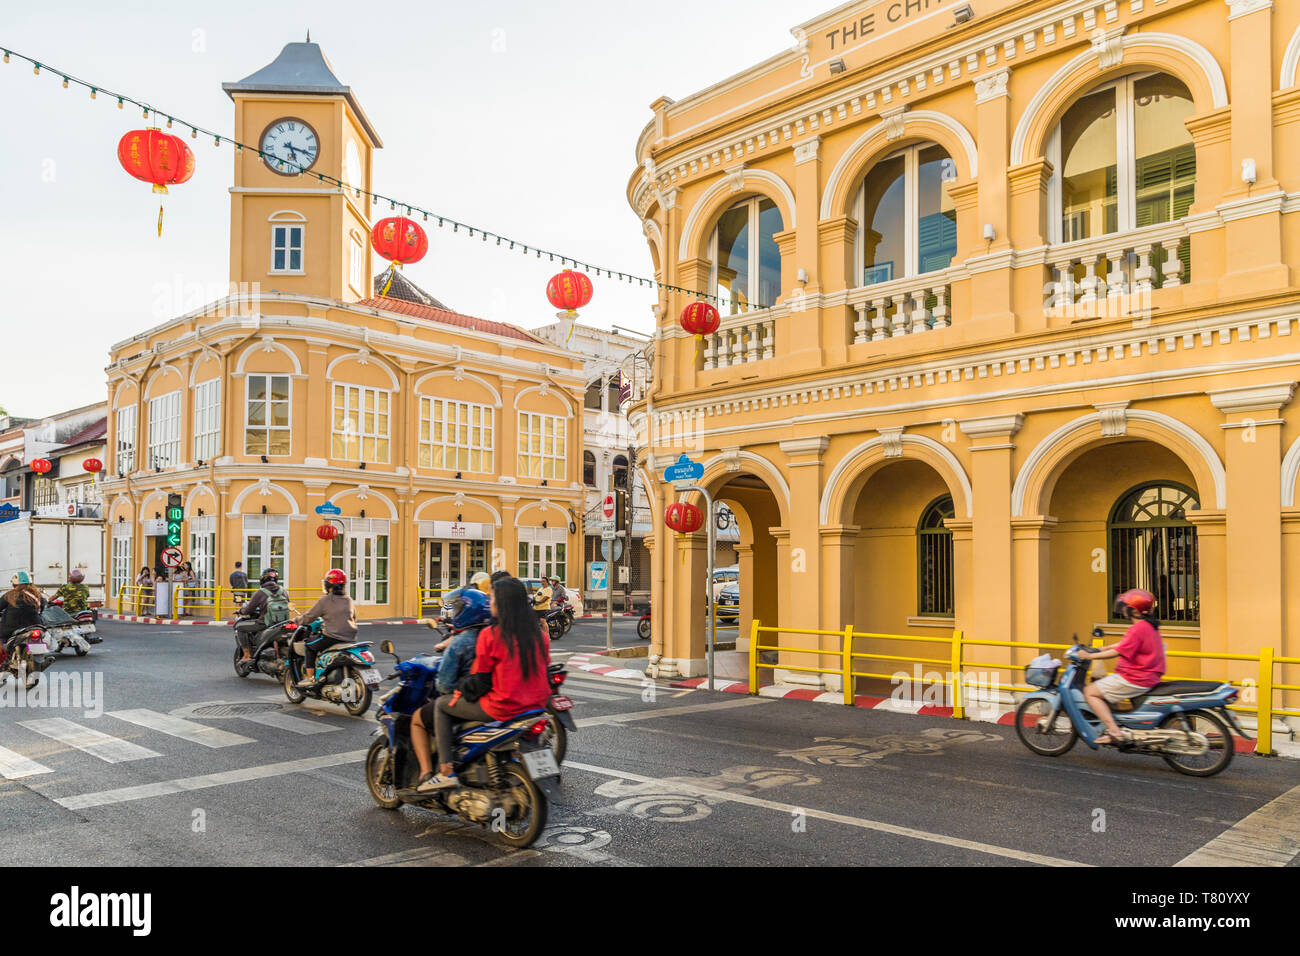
[134,598]
[1264,686]
[429,597]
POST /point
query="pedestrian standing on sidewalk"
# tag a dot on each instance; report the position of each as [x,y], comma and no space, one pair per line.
[184,580]
[143,580]
[238,584]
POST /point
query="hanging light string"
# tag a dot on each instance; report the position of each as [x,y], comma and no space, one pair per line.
[411,210]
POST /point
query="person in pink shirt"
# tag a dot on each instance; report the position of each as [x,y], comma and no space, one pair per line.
[1141,664]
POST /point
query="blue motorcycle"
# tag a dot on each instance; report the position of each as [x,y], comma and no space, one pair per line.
[1184,721]
[507,769]
[345,673]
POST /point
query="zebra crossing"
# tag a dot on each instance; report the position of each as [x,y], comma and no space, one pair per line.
[100,743]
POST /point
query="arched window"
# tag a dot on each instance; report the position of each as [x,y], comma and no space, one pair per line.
[1153,547]
[1123,158]
[620,471]
[934,560]
[907,222]
[746,261]
[589,469]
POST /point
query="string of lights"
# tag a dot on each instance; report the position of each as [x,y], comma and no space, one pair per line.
[410,210]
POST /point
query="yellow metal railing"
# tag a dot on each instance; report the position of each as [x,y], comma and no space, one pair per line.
[134,598]
[429,597]
[1264,686]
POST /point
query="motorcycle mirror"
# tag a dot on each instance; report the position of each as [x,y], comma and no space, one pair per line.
[387,648]
[1098,632]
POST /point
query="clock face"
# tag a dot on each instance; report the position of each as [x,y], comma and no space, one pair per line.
[289,146]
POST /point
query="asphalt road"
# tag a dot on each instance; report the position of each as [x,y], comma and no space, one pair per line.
[654,776]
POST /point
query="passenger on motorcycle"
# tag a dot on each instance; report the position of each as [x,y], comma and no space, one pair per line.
[338,617]
[542,599]
[20,607]
[558,594]
[1141,654]
[508,677]
[270,605]
[479,583]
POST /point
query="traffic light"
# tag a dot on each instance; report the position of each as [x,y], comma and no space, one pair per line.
[175,519]
[620,510]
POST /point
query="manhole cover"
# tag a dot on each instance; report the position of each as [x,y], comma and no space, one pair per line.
[232,710]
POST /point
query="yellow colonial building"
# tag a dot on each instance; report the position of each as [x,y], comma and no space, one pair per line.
[1009,307]
[439,444]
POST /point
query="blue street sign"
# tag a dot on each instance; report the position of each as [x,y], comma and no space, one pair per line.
[683,469]
[8,513]
[598,576]
[329,508]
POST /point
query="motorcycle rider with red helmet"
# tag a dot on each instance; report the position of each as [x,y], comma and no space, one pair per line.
[1141,664]
[338,617]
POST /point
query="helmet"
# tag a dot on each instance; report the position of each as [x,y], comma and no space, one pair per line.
[1140,601]
[480,581]
[270,574]
[335,579]
[472,608]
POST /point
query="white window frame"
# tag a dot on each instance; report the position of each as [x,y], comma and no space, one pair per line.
[264,528]
[121,563]
[454,416]
[282,239]
[356,267]
[354,407]
[558,461]
[751,294]
[125,440]
[1125,160]
[541,556]
[165,430]
[911,212]
[356,553]
[203,550]
[207,420]
[268,428]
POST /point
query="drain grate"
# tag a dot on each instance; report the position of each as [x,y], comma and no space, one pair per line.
[233,710]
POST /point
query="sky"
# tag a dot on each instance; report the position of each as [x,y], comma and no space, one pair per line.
[517,117]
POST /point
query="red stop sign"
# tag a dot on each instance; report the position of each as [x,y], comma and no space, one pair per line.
[608,507]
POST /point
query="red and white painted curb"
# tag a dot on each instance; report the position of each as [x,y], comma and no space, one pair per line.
[171,622]
[589,662]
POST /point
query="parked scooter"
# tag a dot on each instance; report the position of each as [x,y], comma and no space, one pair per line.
[1186,722]
[507,772]
[87,619]
[345,673]
[558,620]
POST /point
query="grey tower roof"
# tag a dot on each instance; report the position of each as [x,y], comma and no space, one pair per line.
[301,68]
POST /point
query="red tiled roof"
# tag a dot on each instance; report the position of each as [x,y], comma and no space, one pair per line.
[416,310]
[92,432]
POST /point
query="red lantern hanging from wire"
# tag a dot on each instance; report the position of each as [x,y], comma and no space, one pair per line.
[400,241]
[569,291]
[41,466]
[152,156]
[700,319]
[92,465]
[684,518]
[327,532]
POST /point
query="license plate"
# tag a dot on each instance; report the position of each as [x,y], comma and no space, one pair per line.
[37,647]
[561,703]
[372,676]
[541,763]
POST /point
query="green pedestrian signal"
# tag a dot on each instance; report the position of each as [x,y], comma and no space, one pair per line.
[175,515]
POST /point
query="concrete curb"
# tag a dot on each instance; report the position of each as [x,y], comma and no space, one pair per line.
[133,619]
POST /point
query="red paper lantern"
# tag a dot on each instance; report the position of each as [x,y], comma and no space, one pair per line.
[327,532]
[399,240]
[569,291]
[700,319]
[92,465]
[683,518]
[153,156]
[41,465]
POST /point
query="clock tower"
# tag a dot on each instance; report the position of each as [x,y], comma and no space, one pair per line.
[290,230]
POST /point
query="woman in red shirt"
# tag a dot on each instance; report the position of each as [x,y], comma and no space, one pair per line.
[508,677]
[1141,663]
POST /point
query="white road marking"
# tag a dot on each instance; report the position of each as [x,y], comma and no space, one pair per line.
[588,695]
[421,856]
[295,725]
[14,766]
[1268,837]
[603,685]
[104,746]
[668,712]
[182,728]
[126,794]
[788,809]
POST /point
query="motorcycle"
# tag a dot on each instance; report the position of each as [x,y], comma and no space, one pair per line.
[559,722]
[558,620]
[269,655]
[1186,722]
[62,630]
[86,618]
[345,673]
[24,654]
[507,772]
[643,625]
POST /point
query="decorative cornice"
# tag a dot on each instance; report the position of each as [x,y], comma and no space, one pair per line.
[992,87]
[794,447]
[1114,419]
[894,121]
[1240,8]
[1109,46]
[892,441]
[993,426]
[1252,398]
